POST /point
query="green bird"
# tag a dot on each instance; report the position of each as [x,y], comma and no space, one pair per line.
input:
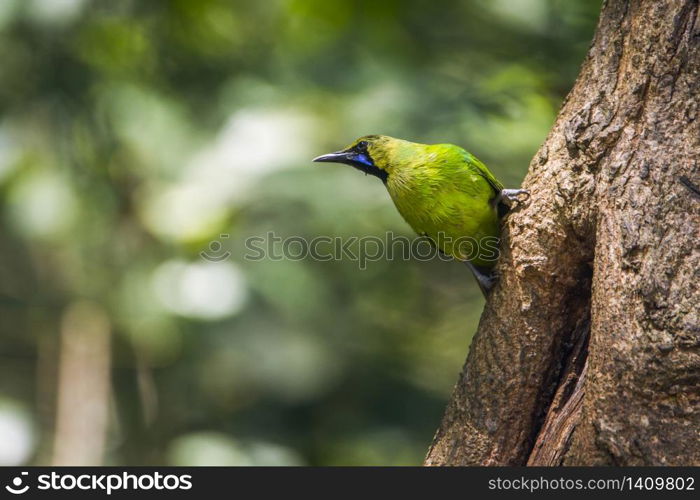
[443,192]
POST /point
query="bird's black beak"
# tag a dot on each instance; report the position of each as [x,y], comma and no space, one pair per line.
[359,159]
[337,157]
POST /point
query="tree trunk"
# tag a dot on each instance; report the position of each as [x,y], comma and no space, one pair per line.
[588,350]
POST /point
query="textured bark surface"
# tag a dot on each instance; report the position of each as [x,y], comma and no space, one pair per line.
[606,251]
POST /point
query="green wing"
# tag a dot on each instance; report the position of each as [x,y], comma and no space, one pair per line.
[476,166]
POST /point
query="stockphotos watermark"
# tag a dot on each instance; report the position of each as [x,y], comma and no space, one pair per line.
[358,249]
[103,483]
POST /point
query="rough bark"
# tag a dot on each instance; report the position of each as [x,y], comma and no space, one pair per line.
[606,252]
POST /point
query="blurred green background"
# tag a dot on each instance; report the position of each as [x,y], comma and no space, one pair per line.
[133,135]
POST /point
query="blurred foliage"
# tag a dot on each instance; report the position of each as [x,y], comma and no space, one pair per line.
[135,134]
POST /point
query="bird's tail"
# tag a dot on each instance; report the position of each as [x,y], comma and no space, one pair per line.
[484,277]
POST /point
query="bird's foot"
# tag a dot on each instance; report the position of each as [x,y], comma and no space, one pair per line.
[485,278]
[510,197]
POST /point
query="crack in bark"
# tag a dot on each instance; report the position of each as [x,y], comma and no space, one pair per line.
[568,358]
[694,189]
[564,412]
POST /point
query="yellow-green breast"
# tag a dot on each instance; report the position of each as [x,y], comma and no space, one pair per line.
[445,193]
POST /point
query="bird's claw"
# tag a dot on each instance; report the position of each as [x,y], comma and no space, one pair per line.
[513,196]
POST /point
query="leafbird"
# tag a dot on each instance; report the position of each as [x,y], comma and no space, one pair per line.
[443,192]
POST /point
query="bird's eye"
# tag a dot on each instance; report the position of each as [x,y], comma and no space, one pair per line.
[362,145]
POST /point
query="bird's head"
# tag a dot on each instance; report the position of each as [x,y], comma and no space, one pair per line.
[372,154]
